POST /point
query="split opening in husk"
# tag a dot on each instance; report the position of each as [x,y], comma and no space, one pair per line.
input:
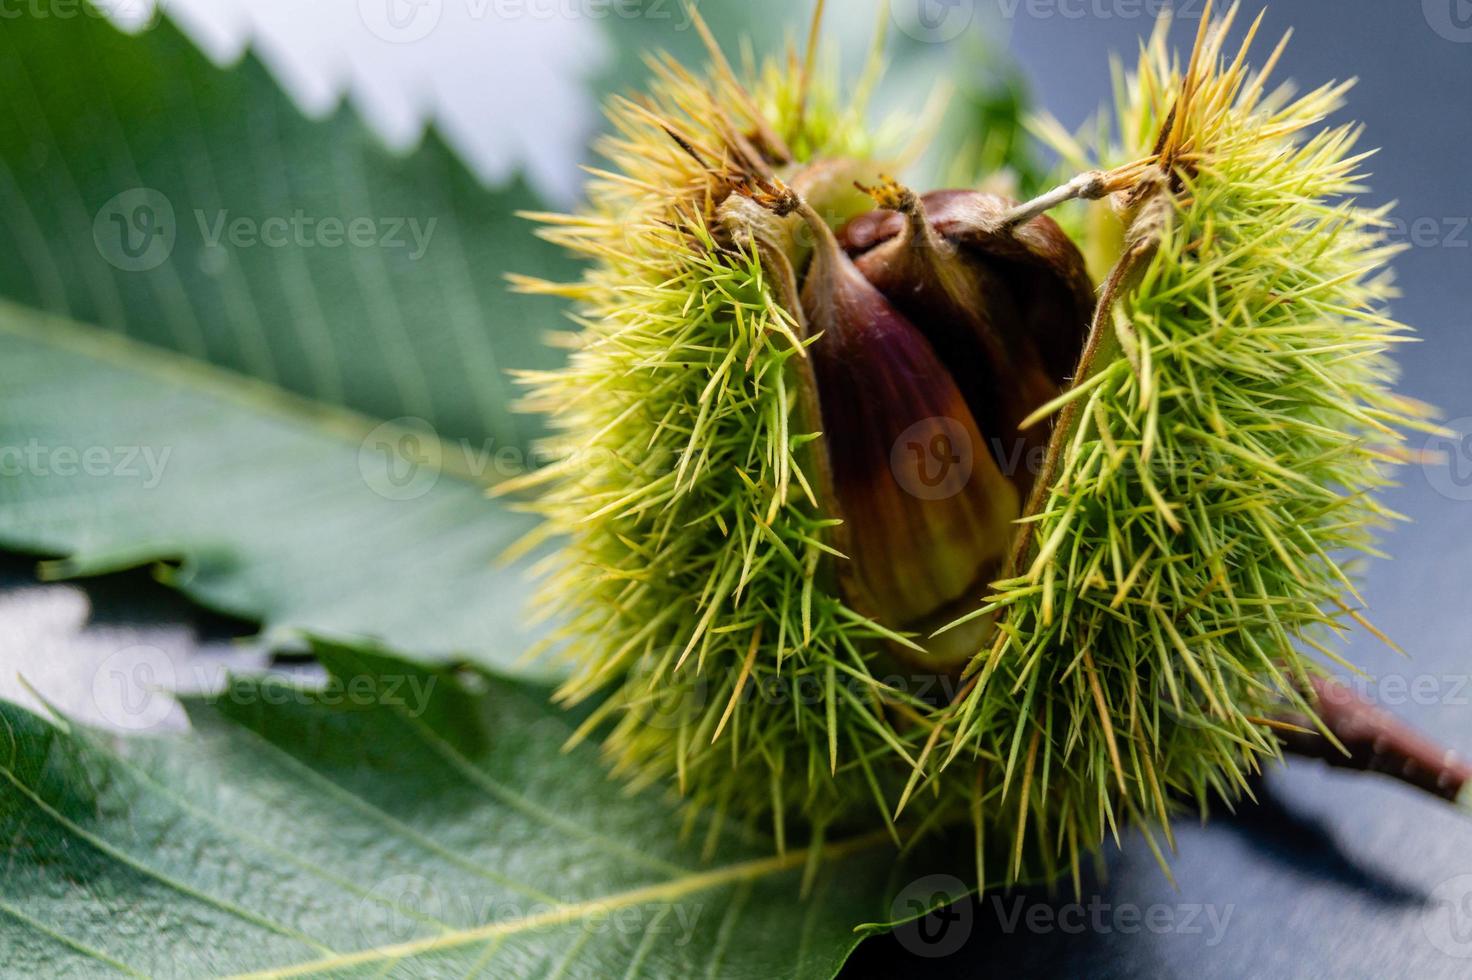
[1098,672]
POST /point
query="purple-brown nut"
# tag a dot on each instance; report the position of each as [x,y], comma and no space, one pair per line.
[1006,308]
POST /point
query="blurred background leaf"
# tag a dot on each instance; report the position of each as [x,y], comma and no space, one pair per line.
[93,120]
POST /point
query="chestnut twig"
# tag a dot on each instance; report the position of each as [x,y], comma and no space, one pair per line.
[1370,739]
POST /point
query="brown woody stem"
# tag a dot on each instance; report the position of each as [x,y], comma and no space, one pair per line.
[1373,740]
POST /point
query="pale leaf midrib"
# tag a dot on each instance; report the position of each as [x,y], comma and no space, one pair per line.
[666,891]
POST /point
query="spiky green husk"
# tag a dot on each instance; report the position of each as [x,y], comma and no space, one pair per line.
[1214,463]
[694,585]
[1214,470]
